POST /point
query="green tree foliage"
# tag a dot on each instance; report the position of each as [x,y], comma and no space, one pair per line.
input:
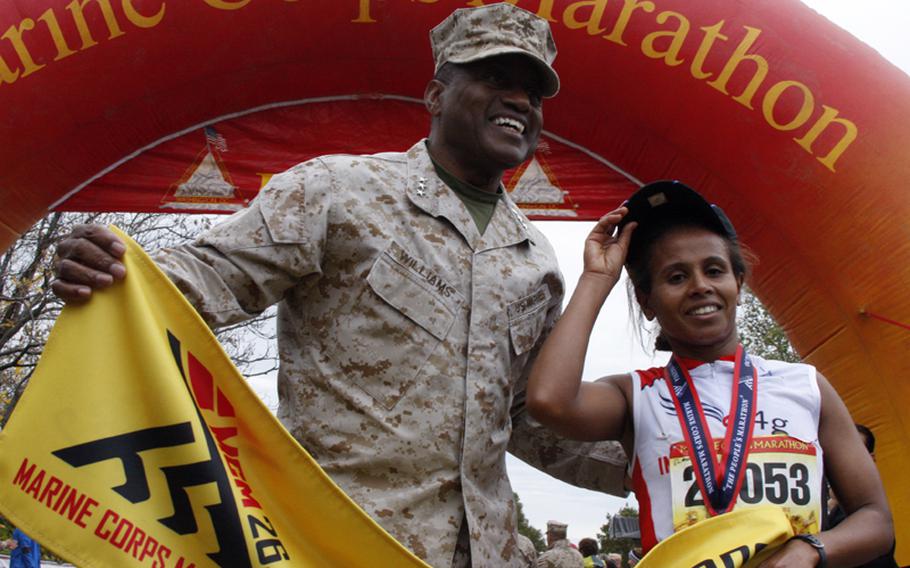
[619,545]
[6,529]
[760,334]
[525,528]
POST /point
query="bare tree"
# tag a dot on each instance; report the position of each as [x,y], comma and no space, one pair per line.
[28,308]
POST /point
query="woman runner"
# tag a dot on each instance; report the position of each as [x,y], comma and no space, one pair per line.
[717,429]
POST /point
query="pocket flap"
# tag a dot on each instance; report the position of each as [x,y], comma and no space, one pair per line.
[402,291]
[527,317]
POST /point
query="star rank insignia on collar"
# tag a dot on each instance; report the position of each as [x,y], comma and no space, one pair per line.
[519,218]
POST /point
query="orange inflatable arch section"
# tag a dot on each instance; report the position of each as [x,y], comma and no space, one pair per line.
[798,130]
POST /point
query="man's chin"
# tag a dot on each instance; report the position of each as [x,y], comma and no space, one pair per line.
[506,149]
[512,159]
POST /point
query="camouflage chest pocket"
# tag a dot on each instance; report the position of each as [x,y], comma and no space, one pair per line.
[393,327]
[527,317]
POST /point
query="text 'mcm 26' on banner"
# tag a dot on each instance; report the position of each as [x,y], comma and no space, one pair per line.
[137,443]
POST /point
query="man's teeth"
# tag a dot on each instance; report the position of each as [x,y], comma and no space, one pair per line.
[510,123]
[704,310]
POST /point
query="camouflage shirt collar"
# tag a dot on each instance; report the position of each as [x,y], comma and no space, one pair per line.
[429,193]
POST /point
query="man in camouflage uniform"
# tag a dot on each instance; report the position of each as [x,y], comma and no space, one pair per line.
[527,551]
[412,297]
[560,553]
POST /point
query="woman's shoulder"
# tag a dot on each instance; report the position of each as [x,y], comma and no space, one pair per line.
[622,381]
[618,379]
[640,378]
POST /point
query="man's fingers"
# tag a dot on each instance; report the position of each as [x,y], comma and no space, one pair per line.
[89,259]
[73,272]
[102,237]
[71,293]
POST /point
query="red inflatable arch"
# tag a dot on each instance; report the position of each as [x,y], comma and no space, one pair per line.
[796,128]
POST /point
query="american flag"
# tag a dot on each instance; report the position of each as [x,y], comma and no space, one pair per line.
[215,140]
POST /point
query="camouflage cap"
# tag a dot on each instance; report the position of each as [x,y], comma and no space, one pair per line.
[469,34]
[557,527]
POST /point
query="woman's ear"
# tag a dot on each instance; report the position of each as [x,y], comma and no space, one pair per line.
[432,96]
[739,289]
[642,300]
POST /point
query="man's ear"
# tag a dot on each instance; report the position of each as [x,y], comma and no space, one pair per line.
[432,96]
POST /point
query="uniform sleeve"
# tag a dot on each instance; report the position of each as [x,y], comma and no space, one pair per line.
[247,263]
[599,466]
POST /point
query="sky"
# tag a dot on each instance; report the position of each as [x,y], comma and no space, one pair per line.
[614,346]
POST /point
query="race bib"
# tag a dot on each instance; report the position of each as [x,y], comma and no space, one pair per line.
[782,471]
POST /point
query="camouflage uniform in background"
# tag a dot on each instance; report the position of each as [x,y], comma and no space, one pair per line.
[527,551]
[405,339]
[561,555]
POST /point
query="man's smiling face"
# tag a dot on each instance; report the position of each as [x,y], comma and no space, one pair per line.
[490,113]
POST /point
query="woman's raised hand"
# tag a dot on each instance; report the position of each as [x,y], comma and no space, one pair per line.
[605,252]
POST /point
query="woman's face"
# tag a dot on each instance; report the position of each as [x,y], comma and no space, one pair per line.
[693,293]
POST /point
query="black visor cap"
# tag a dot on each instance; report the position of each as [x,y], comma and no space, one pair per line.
[666,199]
[668,202]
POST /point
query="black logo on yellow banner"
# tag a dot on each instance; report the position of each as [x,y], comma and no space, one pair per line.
[738,556]
[128,448]
[222,469]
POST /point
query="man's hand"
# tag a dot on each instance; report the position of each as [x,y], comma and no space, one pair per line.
[9,544]
[87,259]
